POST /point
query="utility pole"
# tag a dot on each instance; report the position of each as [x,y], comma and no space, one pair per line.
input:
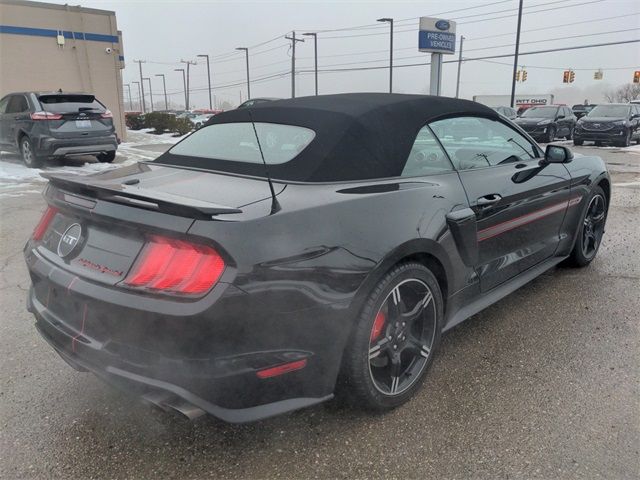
[150,91]
[164,87]
[189,63]
[515,59]
[140,62]
[129,90]
[390,22]
[315,55]
[293,61]
[246,51]
[139,95]
[459,66]
[208,78]
[184,82]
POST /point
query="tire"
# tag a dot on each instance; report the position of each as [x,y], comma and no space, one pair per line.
[626,141]
[577,142]
[379,344]
[570,134]
[29,156]
[590,229]
[106,157]
[551,134]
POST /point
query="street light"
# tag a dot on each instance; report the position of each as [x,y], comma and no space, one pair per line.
[129,89]
[246,51]
[139,94]
[390,21]
[184,82]
[164,87]
[209,78]
[315,55]
[150,90]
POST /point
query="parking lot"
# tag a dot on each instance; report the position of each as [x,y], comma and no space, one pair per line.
[543,384]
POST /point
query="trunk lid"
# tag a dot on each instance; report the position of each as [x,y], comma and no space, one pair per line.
[82,116]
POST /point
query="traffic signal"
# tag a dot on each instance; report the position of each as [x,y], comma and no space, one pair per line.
[636,76]
[572,76]
[517,75]
[524,75]
[597,75]
[565,76]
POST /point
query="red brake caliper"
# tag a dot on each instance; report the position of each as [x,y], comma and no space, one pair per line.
[378,324]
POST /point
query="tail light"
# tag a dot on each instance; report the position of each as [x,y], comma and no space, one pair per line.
[45,116]
[107,114]
[176,266]
[282,369]
[44,222]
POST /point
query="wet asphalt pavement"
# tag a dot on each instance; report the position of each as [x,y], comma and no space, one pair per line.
[543,384]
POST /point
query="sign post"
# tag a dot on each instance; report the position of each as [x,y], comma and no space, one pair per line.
[436,36]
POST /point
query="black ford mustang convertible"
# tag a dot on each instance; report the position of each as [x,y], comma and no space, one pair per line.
[303,247]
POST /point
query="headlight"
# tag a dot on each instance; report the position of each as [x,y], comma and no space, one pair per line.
[620,123]
[544,122]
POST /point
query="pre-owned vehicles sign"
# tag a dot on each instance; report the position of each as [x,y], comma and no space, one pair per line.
[437,35]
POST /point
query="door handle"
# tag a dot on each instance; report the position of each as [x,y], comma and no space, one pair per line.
[488,200]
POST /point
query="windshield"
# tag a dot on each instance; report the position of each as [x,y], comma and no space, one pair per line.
[540,112]
[616,111]
[237,142]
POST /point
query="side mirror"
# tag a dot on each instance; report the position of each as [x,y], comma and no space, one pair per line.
[559,117]
[556,154]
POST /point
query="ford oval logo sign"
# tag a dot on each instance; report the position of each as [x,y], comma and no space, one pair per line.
[443,25]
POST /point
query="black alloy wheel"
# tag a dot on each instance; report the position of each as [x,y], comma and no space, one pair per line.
[551,134]
[570,134]
[626,141]
[395,339]
[591,230]
[28,154]
[106,157]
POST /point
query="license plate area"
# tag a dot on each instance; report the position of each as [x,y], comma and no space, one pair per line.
[83,124]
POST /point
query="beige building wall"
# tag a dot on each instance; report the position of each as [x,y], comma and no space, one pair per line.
[31,60]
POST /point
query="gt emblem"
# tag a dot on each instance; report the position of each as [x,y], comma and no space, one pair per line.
[69,240]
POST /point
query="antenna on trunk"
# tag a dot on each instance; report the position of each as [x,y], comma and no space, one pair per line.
[275,206]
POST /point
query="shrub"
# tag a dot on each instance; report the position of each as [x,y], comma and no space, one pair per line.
[134,121]
[160,122]
[182,126]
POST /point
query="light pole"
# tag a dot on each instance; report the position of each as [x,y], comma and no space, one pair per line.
[129,90]
[208,78]
[515,57]
[189,63]
[459,66]
[315,55]
[293,61]
[150,91]
[184,82]
[164,87]
[139,94]
[140,62]
[390,21]
[246,51]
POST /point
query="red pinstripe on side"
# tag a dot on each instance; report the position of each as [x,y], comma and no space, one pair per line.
[503,227]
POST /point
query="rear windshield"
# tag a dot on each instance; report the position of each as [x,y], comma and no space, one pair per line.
[616,111]
[236,142]
[70,103]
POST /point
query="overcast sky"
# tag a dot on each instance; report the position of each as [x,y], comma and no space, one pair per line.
[163,32]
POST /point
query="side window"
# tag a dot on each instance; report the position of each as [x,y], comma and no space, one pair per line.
[474,142]
[3,104]
[426,156]
[567,112]
[17,104]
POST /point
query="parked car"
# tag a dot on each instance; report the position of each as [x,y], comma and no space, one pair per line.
[199,120]
[548,123]
[614,123]
[255,269]
[581,110]
[48,125]
[507,112]
[255,101]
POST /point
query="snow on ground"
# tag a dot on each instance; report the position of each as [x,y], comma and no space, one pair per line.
[16,179]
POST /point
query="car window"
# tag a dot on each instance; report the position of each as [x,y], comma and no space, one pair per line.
[473,142]
[3,104]
[18,104]
[426,156]
[70,103]
[540,112]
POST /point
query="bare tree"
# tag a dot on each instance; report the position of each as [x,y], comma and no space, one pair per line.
[624,93]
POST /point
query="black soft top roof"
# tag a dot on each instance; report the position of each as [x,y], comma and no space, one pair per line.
[359,136]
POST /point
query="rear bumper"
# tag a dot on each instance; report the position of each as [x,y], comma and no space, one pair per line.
[201,356]
[47,146]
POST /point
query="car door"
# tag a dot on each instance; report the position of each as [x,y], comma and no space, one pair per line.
[4,120]
[635,121]
[519,205]
[17,115]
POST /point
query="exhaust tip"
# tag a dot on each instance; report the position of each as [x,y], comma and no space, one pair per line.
[169,402]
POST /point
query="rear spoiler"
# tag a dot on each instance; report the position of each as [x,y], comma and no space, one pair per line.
[139,197]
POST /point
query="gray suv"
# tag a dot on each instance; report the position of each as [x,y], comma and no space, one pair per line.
[43,126]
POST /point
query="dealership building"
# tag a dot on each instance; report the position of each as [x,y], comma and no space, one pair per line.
[47,47]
